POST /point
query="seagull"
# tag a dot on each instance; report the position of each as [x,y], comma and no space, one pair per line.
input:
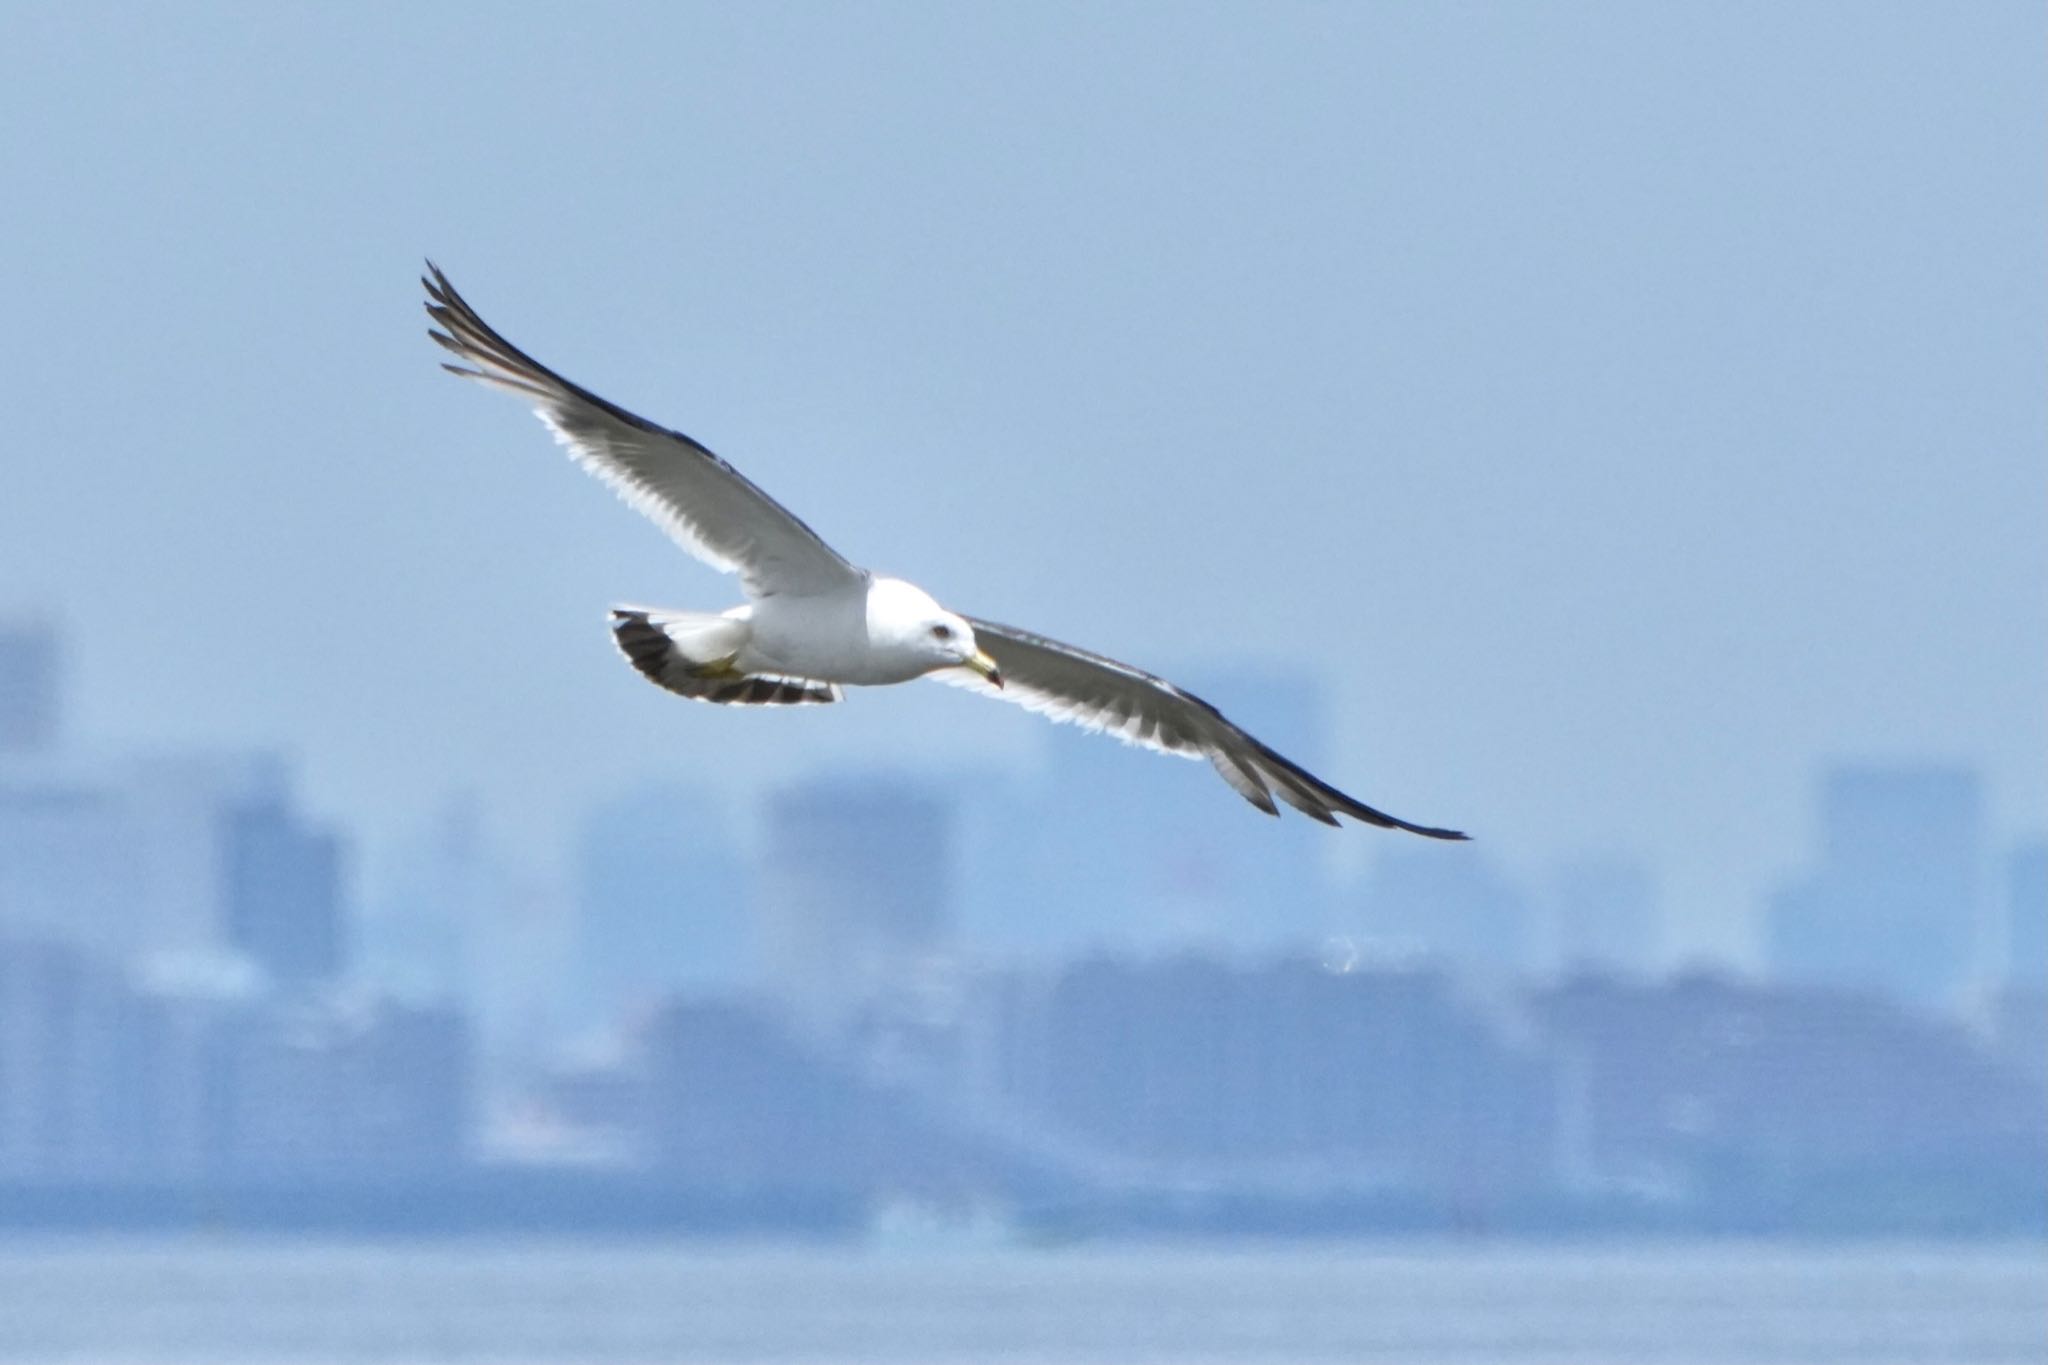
[814,623]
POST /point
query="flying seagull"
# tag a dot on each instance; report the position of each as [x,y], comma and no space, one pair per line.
[814,623]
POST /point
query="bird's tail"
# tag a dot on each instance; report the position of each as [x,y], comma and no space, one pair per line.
[692,653]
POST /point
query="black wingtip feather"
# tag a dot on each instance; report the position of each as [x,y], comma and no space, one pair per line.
[477,340]
[1342,802]
[1358,810]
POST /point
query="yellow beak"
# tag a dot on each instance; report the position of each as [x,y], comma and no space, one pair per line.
[982,664]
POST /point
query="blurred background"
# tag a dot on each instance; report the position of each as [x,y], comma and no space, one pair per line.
[1617,431]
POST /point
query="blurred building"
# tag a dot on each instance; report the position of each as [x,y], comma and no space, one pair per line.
[1602,916]
[1175,860]
[382,1094]
[662,901]
[2019,1001]
[162,861]
[1218,875]
[2026,916]
[1895,901]
[1756,1097]
[454,924]
[182,804]
[30,702]
[1283,1076]
[165,920]
[67,1038]
[103,1081]
[125,858]
[72,865]
[284,895]
[738,1099]
[1095,808]
[854,893]
[435,895]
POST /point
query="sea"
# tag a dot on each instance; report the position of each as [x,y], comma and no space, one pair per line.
[249,1299]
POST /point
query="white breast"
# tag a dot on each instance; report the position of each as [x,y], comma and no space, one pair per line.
[823,637]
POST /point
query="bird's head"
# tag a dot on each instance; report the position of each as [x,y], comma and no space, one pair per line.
[904,617]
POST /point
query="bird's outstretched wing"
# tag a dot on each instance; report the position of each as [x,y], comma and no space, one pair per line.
[1070,684]
[706,506]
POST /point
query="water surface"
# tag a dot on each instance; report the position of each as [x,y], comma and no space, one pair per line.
[548,1303]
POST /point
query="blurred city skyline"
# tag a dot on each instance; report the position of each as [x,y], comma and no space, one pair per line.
[987,996]
[209,859]
[902,991]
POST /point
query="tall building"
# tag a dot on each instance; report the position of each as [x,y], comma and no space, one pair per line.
[661,901]
[283,893]
[854,892]
[180,805]
[29,697]
[178,863]
[72,868]
[1895,902]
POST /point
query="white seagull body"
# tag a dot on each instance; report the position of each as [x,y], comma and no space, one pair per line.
[814,622]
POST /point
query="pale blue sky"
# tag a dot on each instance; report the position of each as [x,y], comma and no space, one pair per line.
[1623,408]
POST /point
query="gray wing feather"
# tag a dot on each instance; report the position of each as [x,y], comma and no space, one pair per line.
[705,505]
[1099,693]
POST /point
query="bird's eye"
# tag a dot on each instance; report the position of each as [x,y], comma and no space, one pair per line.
[942,632]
